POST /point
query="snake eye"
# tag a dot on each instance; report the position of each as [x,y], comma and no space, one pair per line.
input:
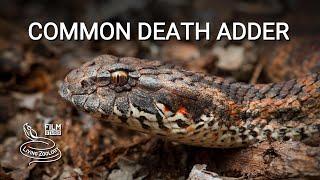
[119,78]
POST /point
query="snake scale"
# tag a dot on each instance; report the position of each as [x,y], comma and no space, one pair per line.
[194,108]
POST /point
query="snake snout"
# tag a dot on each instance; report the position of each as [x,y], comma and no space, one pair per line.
[64,92]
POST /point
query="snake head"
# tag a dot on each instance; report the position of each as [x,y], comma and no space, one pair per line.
[106,81]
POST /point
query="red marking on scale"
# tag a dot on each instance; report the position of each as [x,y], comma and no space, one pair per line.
[182,110]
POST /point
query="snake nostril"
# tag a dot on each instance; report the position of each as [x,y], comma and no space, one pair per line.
[89,82]
[86,83]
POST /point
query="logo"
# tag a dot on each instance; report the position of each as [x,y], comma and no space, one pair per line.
[52,129]
[39,149]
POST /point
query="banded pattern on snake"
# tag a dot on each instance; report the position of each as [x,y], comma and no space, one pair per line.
[194,108]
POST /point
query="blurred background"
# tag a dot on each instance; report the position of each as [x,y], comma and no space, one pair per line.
[31,72]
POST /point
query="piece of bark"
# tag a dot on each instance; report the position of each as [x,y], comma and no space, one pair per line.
[271,160]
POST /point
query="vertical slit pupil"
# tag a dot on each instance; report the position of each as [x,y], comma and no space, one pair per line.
[119,78]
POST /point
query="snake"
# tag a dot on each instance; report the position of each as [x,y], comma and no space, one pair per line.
[194,108]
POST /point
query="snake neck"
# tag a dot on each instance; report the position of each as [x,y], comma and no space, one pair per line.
[296,99]
[222,113]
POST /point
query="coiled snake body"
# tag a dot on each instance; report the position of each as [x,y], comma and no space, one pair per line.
[194,108]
